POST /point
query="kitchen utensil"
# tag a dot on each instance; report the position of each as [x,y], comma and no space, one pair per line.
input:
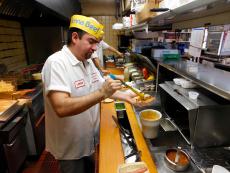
[177,155]
[141,95]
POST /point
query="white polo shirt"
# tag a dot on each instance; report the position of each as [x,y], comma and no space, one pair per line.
[99,52]
[75,136]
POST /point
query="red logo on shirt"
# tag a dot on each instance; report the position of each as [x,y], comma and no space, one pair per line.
[95,77]
[79,83]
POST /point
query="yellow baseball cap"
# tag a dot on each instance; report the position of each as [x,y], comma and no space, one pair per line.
[87,24]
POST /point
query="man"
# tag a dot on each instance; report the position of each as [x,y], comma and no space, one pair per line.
[97,56]
[73,88]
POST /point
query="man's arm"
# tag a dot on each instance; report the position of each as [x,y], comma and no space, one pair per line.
[112,49]
[96,62]
[65,105]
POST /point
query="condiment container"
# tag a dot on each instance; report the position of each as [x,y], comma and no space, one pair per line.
[150,121]
[182,162]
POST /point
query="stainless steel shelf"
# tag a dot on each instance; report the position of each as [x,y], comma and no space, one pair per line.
[191,11]
[212,79]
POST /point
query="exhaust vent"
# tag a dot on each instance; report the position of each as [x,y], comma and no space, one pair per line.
[16,8]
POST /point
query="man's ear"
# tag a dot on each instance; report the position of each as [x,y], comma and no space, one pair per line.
[75,37]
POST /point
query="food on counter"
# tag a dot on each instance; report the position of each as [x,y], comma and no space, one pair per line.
[6,86]
[107,100]
[151,77]
[145,73]
[147,96]
[183,159]
[119,105]
[147,87]
[148,99]
[150,115]
[136,167]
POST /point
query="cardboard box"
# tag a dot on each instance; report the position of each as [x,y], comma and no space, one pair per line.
[127,4]
[145,13]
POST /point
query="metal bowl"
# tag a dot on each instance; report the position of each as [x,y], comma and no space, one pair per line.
[181,165]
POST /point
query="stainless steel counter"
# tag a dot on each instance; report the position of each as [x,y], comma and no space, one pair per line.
[212,79]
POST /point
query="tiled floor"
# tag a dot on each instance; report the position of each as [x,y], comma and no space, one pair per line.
[45,164]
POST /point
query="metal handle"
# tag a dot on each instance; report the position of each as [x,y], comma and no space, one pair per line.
[12,143]
[177,157]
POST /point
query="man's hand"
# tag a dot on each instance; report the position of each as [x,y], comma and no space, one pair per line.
[120,54]
[110,86]
[105,72]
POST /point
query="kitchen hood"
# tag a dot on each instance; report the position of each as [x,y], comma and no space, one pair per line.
[26,8]
[16,8]
[65,8]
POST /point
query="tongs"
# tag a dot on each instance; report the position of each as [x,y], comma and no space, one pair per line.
[140,94]
[128,136]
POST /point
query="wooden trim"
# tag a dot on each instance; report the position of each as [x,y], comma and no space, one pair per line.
[140,141]
[40,120]
[110,151]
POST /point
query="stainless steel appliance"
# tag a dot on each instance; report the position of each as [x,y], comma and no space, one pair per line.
[202,122]
[35,127]
[13,144]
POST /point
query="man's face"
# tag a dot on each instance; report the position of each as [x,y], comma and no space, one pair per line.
[86,46]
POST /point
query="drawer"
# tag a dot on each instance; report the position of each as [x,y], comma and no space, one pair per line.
[9,131]
[40,134]
[16,152]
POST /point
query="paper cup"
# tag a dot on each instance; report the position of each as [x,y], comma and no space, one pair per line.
[150,121]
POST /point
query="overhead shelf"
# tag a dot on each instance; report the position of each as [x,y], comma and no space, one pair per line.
[210,10]
[140,27]
[193,10]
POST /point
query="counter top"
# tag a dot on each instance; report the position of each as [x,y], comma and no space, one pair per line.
[110,151]
[110,148]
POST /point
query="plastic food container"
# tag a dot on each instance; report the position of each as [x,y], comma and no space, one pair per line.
[193,95]
[177,81]
[150,121]
[120,105]
[187,84]
[182,163]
